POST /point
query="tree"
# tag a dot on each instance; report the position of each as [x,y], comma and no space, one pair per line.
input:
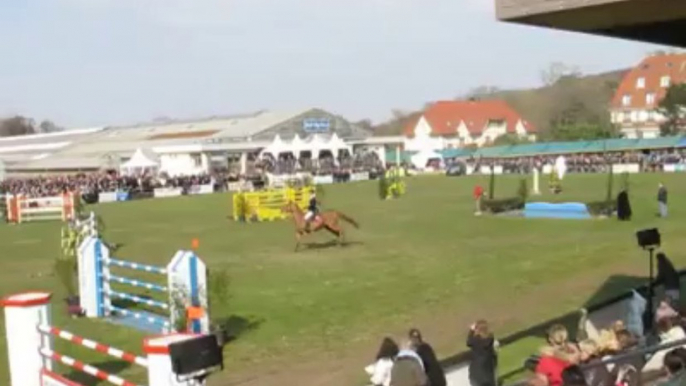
[481,92]
[16,125]
[365,124]
[557,71]
[48,127]
[509,139]
[580,131]
[672,108]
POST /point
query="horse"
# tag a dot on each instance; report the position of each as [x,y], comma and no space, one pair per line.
[328,220]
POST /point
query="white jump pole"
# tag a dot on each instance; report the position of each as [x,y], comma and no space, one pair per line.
[536,190]
[25,313]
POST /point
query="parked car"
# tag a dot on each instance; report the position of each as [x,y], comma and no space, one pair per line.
[456,170]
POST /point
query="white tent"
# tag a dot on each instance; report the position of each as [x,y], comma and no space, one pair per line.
[2,170]
[139,163]
[422,158]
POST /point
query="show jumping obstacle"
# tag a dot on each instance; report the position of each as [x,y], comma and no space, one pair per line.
[185,284]
[20,209]
[268,205]
[31,355]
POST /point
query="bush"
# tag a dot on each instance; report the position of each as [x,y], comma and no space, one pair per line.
[502,205]
[523,190]
[601,208]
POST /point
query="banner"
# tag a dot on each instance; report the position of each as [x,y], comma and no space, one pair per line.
[672,168]
[113,196]
[626,168]
[201,189]
[360,176]
[168,192]
[322,180]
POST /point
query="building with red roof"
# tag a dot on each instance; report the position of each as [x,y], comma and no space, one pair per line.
[634,104]
[448,124]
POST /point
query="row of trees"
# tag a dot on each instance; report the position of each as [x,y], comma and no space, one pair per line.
[19,125]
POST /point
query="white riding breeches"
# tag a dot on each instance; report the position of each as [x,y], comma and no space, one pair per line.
[309,215]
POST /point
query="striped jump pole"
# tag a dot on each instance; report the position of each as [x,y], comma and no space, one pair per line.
[85,368]
[31,354]
[93,345]
[185,283]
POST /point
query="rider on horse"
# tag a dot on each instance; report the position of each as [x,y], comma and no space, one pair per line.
[312,211]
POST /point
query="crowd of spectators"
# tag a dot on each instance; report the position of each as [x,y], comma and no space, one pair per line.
[630,351]
[653,161]
[94,183]
[324,165]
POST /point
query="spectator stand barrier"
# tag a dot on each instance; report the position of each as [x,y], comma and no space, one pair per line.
[32,356]
[22,209]
[185,284]
[267,205]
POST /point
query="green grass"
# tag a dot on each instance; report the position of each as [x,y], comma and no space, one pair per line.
[423,260]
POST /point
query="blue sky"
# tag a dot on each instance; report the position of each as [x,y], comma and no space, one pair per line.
[97,62]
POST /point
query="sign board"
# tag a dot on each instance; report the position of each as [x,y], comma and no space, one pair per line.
[168,192]
[201,189]
[316,125]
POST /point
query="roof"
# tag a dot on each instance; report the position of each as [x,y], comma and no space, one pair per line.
[651,69]
[445,117]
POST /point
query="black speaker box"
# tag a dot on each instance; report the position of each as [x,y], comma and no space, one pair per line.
[197,354]
[648,238]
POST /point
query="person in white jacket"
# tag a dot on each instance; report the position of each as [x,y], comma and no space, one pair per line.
[380,371]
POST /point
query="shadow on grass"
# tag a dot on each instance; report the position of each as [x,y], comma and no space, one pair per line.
[235,326]
[331,244]
[613,288]
[113,367]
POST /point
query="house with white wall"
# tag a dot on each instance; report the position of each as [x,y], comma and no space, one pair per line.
[452,124]
[634,106]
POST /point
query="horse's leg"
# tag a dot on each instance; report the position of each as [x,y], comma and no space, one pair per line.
[297,240]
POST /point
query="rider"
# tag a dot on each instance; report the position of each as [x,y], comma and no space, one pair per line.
[312,210]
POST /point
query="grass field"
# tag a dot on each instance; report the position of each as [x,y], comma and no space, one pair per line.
[316,317]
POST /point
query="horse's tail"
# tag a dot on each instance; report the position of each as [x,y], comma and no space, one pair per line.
[347,219]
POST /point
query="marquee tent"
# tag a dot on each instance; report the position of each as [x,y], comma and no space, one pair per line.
[139,163]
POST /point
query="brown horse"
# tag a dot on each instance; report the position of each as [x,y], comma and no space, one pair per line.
[324,220]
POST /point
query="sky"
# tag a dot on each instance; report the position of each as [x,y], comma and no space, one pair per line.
[87,63]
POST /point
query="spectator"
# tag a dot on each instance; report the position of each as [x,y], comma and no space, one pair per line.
[559,345]
[662,200]
[380,370]
[432,368]
[596,375]
[668,276]
[676,367]
[482,367]
[574,376]
[408,369]
[668,332]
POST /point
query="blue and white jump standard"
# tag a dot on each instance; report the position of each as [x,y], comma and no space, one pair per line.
[186,283]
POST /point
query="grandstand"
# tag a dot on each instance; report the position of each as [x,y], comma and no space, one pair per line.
[189,143]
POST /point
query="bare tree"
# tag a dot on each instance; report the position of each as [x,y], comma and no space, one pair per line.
[16,125]
[557,71]
[48,126]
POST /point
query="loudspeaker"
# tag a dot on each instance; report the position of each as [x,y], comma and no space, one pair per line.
[648,238]
[197,354]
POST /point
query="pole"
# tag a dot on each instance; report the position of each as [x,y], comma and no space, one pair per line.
[649,310]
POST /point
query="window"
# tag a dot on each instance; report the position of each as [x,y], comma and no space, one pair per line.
[650,98]
[664,81]
[626,100]
[641,82]
[197,160]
